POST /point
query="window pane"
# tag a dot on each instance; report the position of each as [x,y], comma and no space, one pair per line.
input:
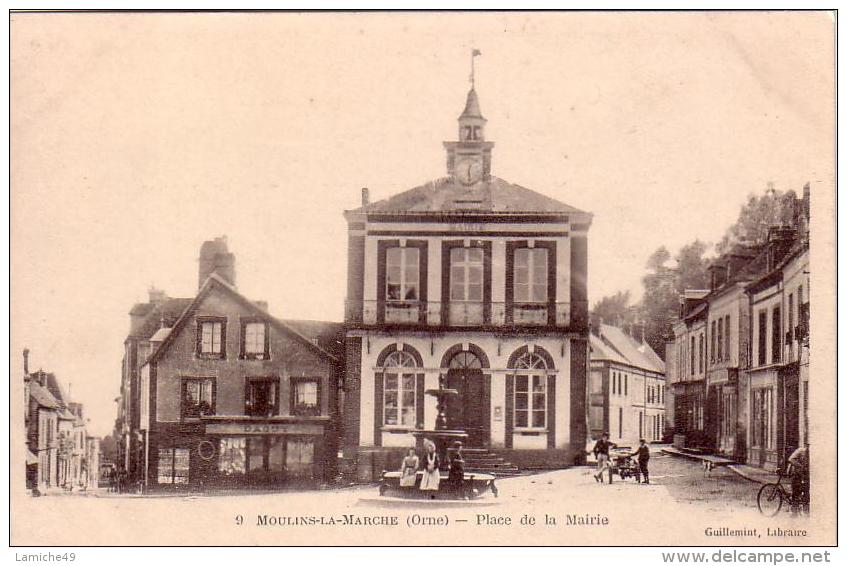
[192,391]
[165,465]
[457,290]
[475,255]
[521,258]
[521,401]
[206,341]
[521,418]
[474,292]
[233,455]
[409,382]
[390,381]
[255,453]
[474,274]
[408,416]
[217,330]
[391,415]
[539,292]
[539,264]
[457,255]
[181,464]
[206,393]
[521,293]
[393,258]
[408,400]
[521,383]
[538,401]
[306,393]
[538,383]
[411,292]
[276,454]
[392,292]
[391,398]
[538,418]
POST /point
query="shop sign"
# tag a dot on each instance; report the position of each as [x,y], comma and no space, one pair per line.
[263,428]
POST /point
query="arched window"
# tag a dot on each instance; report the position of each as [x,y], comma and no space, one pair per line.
[399,391]
[465,360]
[530,391]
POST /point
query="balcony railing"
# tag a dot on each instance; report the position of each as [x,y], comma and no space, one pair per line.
[460,314]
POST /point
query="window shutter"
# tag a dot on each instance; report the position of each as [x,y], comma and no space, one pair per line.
[320,399]
[379,394]
[551,411]
[510,409]
[419,401]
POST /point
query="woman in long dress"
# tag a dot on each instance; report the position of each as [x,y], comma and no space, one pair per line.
[409,469]
[431,477]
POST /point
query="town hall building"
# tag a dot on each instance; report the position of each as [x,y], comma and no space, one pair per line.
[472,283]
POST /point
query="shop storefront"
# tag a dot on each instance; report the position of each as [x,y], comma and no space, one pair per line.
[240,455]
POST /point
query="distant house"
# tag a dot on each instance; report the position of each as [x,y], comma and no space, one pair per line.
[56,434]
[690,366]
[227,395]
[626,388]
[42,431]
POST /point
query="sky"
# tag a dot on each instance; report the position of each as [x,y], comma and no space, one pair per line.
[135,137]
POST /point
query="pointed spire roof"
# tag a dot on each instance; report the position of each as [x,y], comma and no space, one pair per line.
[471,106]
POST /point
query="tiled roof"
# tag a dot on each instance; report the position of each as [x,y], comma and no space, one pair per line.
[638,354]
[42,396]
[327,335]
[602,351]
[448,195]
[172,308]
[52,384]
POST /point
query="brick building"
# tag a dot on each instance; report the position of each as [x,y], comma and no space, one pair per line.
[227,395]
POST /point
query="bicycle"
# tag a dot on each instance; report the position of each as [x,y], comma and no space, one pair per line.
[771,496]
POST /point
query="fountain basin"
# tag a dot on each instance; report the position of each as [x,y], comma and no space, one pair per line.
[473,486]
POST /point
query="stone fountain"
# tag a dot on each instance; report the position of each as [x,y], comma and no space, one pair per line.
[474,484]
[442,436]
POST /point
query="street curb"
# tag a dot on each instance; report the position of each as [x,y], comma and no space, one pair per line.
[745,475]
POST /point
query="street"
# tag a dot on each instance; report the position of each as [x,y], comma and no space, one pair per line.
[679,506]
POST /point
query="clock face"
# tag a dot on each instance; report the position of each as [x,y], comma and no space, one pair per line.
[468,169]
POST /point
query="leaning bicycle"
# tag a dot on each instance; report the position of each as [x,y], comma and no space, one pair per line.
[772,496]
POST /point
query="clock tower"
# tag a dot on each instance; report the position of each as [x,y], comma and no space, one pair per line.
[469,159]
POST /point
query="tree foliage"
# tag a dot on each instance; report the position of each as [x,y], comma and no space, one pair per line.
[759,213]
[667,276]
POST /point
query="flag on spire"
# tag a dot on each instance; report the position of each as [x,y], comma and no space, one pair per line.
[474,54]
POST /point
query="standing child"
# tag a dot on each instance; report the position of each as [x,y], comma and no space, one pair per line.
[643,454]
[601,452]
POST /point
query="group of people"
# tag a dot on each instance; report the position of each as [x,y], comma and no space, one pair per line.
[601,452]
[429,465]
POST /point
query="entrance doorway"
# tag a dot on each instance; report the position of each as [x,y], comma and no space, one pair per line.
[468,410]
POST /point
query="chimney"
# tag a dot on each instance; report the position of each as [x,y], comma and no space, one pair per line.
[157,296]
[718,275]
[780,239]
[366,196]
[216,258]
[26,361]
[262,305]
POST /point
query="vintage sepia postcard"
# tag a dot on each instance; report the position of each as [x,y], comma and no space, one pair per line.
[423,278]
